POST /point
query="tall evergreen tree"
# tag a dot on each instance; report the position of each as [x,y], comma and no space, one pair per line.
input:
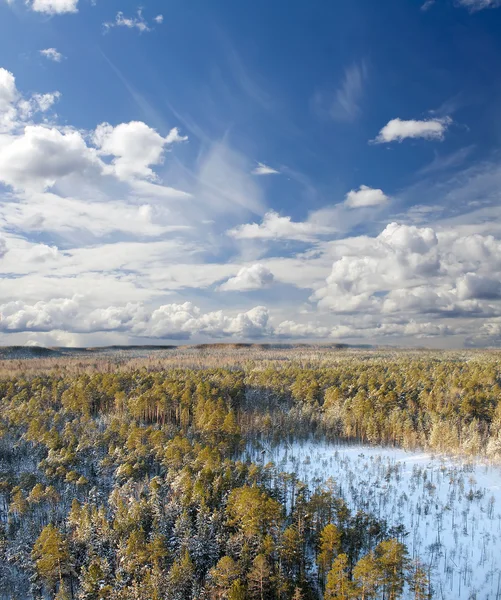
[51,556]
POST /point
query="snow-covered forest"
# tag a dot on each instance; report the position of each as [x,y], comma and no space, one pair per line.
[450,508]
[244,473]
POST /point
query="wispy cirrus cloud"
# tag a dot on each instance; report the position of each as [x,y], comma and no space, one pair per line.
[475,5]
[472,5]
[344,104]
[427,5]
[449,161]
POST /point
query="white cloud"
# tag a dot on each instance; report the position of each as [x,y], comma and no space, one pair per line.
[275,227]
[14,108]
[112,231]
[263,169]
[42,316]
[181,321]
[45,102]
[472,286]
[134,146]
[365,196]
[66,216]
[409,272]
[173,137]
[293,330]
[8,97]
[52,54]
[255,277]
[40,253]
[169,321]
[54,7]
[398,130]
[37,103]
[137,22]
[8,91]
[42,155]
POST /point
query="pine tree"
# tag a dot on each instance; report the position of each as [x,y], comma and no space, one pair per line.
[95,579]
[339,586]
[180,579]
[418,581]
[237,591]
[63,593]
[367,577]
[391,556]
[51,556]
[259,578]
[291,553]
[223,575]
[330,544]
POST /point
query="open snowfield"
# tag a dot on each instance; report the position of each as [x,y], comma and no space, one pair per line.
[450,508]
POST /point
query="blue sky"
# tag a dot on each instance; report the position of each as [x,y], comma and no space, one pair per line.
[231,170]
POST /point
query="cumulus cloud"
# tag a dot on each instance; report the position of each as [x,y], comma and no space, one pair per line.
[398,130]
[275,227]
[52,54]
[159,19]
[8,91]
[169,321]
[181,321]
[176,321]
[37,103]
[134,146]
[414,271]
[42,155]
[255,277]
[365,196]
[8,97]
[263,169]
[41,253]
[54,7]
[41,316]
[14,109]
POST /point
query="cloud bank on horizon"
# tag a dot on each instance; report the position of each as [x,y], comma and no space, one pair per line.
[151,191]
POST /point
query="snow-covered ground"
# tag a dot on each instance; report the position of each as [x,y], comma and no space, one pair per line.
[450,508]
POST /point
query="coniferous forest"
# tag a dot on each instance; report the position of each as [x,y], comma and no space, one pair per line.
[150,476]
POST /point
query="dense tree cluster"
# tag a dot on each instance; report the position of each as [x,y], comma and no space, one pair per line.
[131,484]
[439,404]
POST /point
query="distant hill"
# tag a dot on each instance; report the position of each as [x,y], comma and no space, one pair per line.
[32,352]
